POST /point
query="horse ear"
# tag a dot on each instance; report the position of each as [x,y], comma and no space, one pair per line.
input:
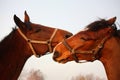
[111,21]
[27,21]
[18,22]
[26,18]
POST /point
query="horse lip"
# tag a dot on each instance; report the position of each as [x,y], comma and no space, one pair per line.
[63,61]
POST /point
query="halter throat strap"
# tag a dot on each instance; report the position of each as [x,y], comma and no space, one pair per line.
[29,41]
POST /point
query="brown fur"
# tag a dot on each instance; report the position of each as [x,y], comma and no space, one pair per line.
[87,40]
[14,49]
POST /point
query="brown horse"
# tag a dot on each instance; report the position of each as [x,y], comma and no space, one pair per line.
[99,41]
[24,41]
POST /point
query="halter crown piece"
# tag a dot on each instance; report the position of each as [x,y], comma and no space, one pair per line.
[48,42]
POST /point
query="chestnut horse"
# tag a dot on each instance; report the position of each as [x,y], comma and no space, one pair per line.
[25,40]
[99,41]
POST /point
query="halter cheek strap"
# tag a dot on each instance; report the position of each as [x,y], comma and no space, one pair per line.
[29,41]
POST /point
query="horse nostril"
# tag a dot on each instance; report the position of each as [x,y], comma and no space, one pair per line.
[68,35]
[56,55]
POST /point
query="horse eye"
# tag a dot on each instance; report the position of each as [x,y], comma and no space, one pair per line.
[38,30]
[83,39]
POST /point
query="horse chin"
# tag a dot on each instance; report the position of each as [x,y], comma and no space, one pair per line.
[63,61]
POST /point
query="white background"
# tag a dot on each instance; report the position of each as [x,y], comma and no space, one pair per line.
[71,15]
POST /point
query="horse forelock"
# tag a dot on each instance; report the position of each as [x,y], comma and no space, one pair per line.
[97,25]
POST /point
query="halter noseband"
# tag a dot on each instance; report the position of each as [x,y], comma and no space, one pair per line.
[48,42]
[94,51]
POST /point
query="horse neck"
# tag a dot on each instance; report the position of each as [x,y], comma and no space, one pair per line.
[111,58]
[13,56]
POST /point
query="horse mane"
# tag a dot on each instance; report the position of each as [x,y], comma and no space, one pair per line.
[8,36]
[101,24]
[6,40]
[97,25]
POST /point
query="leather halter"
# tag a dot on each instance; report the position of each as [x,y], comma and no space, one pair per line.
[47,42]
[94,51]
